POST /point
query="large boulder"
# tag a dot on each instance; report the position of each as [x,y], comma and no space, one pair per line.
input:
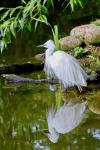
[69,42]
[40,57]
[89,33]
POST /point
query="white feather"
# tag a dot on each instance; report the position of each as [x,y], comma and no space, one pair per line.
[66,69]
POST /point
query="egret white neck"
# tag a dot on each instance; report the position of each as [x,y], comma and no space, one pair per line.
[49,52]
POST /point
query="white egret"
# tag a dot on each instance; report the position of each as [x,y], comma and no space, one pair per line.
[65,119]
[63,67]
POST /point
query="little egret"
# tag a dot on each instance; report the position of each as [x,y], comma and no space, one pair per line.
[63,67]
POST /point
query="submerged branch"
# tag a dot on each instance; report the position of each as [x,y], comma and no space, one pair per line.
[92,81]
[17,79]
[9,72]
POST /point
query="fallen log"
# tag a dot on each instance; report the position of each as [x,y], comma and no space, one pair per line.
[93,81]
[20,68]
[18,79]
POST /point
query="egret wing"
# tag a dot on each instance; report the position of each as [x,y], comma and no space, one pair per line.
[67,69]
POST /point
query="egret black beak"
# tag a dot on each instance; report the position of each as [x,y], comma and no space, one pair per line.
[42,45]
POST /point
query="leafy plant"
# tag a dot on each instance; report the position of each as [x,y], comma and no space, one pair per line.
[49,2]
[97,22]
[55,36]
[20,18]
[79,51]
[72,4]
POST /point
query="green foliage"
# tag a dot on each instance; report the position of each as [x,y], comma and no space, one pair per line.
[79,51]
[20,18]
[55,36]
[49,2]
[97,22]
[72,3]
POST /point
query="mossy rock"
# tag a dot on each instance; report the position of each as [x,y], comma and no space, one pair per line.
[89,33]
[40,57]
[69,42]
[93,101]
[97,22]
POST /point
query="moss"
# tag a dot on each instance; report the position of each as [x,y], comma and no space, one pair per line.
[97,22]
[93,101]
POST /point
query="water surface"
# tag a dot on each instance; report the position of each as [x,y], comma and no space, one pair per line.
[23,120]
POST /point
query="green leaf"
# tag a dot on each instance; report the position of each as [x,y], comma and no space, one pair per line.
[21,23]
[13,29]
[23,1]
[5,14]
[1,32]
[2,46]
[80,3]
[36,23]
[1,8]
[27,10]
[78,51]
[50,2]
[43,18]
[44,9]
[12,12]
[7,37]
[71,4]
[5,24]
[29,26]
[14,9]
[55,36]
[32,14]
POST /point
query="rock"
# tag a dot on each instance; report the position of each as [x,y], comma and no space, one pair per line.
[96,22]
[40,57]
[89,33]
[69,42]
[93,102]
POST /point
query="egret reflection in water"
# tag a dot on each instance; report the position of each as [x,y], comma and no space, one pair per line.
[65,119]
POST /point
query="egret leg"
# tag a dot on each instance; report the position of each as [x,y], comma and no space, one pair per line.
[79,88]
[64,91]
[52,87]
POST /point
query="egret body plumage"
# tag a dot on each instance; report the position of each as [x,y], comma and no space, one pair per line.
[63,67]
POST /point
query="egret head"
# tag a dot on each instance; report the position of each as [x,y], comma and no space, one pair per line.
[53,137]
[49,45]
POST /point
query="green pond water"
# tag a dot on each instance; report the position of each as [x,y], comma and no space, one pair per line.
[24,109]
[23,120]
